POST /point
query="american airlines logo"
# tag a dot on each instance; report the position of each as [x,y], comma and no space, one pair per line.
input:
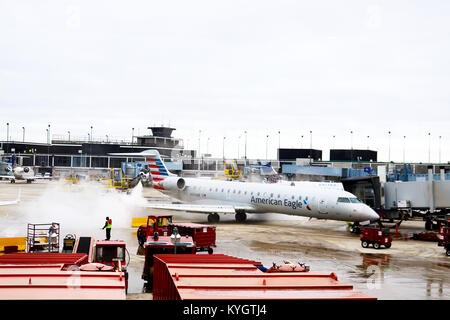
[287,203]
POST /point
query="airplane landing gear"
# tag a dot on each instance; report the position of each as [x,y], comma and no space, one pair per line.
[213,218]
[240,216]
[355,228]
[13,181]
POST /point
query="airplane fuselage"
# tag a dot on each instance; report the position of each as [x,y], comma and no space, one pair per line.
[308,199]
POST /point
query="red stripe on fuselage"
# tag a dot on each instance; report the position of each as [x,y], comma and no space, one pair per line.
[158,187]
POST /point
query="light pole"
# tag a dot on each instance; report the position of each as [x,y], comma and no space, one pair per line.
[7,131]
[368,142]
[132,135]
[91,135]
[310,140]
[200,158]
[69,135]
[223,148]
[48,135]
[440,149]
[245,147]
[106,138]
[389,146]
[351,140]
[23,138]
[404,148]
[267,140]
[279,139]
[239,145]
[301,142]
[429,147]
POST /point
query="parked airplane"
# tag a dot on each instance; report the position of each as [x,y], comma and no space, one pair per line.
[22,173]
[308,199]
[7,203]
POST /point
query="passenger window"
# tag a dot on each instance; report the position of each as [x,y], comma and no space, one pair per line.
[239,192]
[279,195]
[271,195]
[257,194]
[234,191]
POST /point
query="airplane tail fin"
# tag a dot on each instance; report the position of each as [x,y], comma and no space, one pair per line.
[157,169]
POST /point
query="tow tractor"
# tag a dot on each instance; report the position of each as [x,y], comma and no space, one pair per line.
[103,255]
[204,236]
[376,237]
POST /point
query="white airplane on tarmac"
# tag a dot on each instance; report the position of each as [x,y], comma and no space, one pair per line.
[308,199]
[22,173]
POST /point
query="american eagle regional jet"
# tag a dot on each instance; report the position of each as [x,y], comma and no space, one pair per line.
[213,197]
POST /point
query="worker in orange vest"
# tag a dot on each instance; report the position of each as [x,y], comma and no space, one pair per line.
[108,226]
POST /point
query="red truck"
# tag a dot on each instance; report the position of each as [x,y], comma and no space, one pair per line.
[112,253]
[376,237]
[204,236]
[164,245]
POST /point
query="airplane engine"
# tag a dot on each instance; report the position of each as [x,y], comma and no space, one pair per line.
[8,169]
[173,183]
[26,169]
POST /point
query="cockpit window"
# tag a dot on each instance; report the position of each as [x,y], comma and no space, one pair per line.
[355,200]
[346,200]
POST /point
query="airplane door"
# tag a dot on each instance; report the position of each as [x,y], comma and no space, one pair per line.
[323,206]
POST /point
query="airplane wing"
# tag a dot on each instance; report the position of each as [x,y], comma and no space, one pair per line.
[199,208]
[7,203]
[7,177]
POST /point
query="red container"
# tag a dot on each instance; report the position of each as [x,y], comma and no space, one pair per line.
[38,258]
[214,277]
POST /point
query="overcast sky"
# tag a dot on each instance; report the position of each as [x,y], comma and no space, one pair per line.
[225,67]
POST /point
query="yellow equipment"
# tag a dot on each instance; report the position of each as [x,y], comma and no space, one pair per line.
[118,180]
[232,170]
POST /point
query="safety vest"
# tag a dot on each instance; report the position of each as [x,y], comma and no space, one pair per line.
[108,224]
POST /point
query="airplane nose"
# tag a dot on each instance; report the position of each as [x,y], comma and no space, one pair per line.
[371,214]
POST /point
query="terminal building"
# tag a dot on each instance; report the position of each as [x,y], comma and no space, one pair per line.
[64,154]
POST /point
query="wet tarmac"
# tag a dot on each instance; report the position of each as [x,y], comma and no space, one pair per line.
[410,269]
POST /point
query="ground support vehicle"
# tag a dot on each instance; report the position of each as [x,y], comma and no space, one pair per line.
[204,236]
[376,237]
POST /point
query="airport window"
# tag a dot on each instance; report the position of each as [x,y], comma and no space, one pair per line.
[355,200]
[345,200]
